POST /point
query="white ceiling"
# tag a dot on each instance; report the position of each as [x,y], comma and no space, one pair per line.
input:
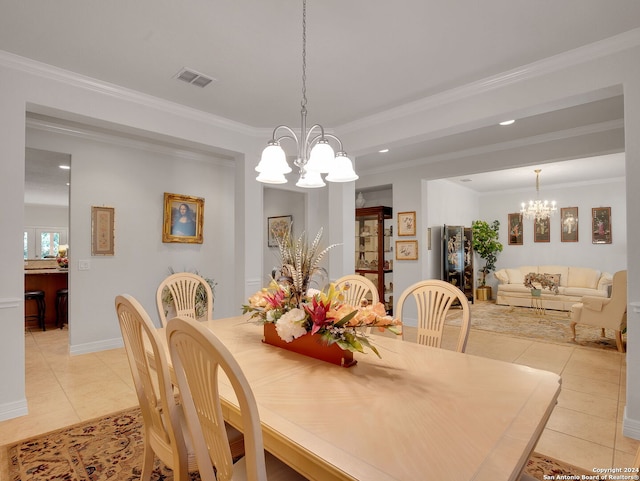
[363,56]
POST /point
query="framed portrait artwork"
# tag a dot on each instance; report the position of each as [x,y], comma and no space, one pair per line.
[407,250]
[183,219]
[407,223]
[569,224]
[601,225]
[542,230]
[277,227]
[102,231]
[516,234]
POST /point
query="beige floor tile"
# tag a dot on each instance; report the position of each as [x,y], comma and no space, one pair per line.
[546,357]
[591,369]
[608,389]
[581,453]
[623,443]
[583,426]
[601,407]
[623,460]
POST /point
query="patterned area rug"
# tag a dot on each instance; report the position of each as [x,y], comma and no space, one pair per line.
[111,448]
[552,326]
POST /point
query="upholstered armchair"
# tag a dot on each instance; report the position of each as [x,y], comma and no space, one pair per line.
[607,313]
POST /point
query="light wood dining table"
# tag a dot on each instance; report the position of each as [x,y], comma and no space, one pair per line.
[419,413]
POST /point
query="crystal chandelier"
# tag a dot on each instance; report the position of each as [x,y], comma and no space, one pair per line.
[315,155]
[538,209]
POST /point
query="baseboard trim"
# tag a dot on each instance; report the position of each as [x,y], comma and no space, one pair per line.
[98,346]
[630,427]
[13,409]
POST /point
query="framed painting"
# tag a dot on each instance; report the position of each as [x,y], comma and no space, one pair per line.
[277,227]
[406,223]
[569,224]
[601,225]
[407,250]
[102,231]
[516,234]
[542,230]
[183,219]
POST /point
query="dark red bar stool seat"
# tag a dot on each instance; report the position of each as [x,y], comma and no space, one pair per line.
[62,307]
[37,296]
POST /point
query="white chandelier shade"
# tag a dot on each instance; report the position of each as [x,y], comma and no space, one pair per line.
[315,155]
[538,209]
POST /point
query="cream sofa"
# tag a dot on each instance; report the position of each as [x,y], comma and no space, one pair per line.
[575,282]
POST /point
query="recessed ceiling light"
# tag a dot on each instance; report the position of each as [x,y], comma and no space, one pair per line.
[383,151]
[507,122]
[66,167]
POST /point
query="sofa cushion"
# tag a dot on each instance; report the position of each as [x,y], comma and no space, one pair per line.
[563,271]
[502,276]
[605,282]
[515,276]
[583,291]
[583,277]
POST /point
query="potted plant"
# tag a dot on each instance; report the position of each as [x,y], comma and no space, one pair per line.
[485,244]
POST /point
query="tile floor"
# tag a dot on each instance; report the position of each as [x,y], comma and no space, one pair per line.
[585,428]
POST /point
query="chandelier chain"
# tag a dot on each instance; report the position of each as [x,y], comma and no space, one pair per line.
[304,55]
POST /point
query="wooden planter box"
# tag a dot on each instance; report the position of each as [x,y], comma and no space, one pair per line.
[310,345]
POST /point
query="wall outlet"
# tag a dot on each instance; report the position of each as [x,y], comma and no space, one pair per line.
[84,265]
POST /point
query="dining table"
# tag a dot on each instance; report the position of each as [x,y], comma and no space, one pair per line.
[415,413]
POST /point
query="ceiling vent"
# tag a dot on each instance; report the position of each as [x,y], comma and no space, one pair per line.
[194,78]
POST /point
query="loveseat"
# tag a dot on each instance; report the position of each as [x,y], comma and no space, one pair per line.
[573,283]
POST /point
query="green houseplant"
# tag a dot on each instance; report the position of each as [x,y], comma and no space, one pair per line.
[485,243]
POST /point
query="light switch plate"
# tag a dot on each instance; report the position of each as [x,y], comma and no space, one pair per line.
[84,265]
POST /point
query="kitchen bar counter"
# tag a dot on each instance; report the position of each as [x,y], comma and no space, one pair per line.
[49,281]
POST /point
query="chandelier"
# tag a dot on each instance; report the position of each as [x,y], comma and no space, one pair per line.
[538,209]
[315,156]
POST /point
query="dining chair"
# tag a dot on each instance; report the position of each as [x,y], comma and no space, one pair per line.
[433,299]
[183,288]
[164,425]
[198,356]
[359,288]
[603,312]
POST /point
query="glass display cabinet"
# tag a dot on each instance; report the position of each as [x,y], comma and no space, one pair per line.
[373,258]
[457,263]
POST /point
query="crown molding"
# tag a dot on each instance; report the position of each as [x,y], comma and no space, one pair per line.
[124,141]
[545,66]
[39,69]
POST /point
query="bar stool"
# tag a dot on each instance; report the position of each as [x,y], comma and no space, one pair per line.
[37,296]
[62,312]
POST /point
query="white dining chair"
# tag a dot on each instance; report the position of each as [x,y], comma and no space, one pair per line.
[198,356]
[356,288]
[433,299]
[183,287]
[164,424]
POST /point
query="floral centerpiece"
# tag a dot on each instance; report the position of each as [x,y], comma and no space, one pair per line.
[296,310]
[544,280]
[63,262]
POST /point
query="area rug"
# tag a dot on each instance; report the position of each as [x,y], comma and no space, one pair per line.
[111,448]
[552,326]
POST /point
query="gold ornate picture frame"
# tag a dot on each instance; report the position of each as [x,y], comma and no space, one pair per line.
[407,223]
[277,227]
[183,219]
[102,231]
[406,250]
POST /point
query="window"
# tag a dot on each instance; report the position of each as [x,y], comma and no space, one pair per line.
[43,242]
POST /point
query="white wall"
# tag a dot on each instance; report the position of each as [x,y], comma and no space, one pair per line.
[132,178]
[278,202]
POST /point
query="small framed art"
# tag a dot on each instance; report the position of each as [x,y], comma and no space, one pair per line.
[569,224]
[406,223]
[516,234]
[601,225]
[277,227]
[541,230]
[183,219]
[102,231]
[407,250]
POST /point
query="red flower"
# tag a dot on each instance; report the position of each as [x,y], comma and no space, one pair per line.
[318,314]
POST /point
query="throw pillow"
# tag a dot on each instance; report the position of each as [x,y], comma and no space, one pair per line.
[553,277]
